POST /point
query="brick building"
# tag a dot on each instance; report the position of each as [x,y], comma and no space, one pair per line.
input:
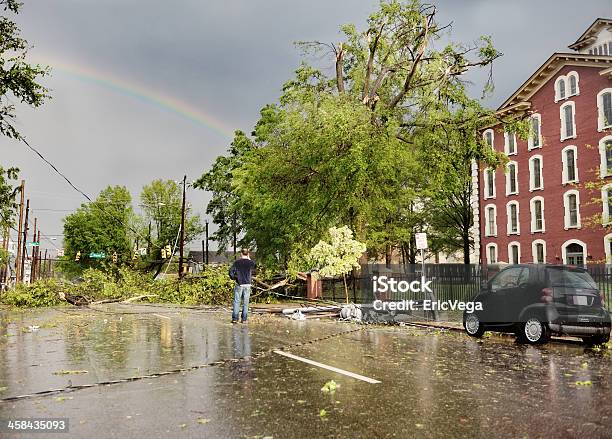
[552,201]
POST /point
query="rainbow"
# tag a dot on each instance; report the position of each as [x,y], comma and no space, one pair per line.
[146,95]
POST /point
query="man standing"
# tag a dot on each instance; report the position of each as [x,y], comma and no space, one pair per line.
[241,272]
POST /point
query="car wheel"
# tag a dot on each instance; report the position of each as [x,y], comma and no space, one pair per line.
[534,331]
[473,326]
[597,339]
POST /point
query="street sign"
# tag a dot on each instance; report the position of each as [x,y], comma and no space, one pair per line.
[34,244]
[100,255]
[421,241]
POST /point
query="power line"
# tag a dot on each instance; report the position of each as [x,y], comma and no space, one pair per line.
[55,169]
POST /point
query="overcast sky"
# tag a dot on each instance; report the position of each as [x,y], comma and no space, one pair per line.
[151,89]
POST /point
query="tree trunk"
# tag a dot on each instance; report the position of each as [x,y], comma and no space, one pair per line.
[466,248]
[345,288]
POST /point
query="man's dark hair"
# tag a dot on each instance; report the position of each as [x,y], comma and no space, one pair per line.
[244,252]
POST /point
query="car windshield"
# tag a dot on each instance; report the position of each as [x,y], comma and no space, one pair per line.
[571,278]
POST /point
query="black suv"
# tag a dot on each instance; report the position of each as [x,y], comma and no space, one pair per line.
[535,301]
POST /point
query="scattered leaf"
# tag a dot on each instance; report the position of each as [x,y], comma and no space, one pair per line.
[330,387]
[69,372]
[584,383]
[202,421]
[322,413]
[62,398]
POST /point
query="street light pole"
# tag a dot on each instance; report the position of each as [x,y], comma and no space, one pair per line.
[206,242]
[182,230]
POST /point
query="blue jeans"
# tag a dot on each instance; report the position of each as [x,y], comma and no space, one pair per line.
[241,292]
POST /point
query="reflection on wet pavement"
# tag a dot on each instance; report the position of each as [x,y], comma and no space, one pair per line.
[434,384]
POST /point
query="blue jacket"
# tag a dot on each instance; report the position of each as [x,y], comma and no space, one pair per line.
[241,271]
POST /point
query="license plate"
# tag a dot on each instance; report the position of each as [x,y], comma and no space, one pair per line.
[581,300]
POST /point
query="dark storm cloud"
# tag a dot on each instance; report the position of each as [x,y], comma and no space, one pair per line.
[228,58]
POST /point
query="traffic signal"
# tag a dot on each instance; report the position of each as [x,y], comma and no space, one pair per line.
[115,257]
[77,257]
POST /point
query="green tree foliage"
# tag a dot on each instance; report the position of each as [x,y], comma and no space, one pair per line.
[18,79]
[8,206]
[224,206]
[100,226]
[367,145]
[338,256]
[161,201]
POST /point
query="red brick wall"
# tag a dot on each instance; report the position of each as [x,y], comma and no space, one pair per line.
[588,161]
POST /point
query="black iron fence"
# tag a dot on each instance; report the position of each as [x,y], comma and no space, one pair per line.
[448,282]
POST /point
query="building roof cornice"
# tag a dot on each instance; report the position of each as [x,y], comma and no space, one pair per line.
[550,68]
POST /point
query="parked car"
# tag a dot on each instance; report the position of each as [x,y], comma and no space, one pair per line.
[535,301]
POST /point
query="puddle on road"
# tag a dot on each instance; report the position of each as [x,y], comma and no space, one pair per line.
[56,348]
[442,384]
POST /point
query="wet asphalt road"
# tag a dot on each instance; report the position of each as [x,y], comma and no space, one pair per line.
[226,381]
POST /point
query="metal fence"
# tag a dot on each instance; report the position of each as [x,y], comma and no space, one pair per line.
[448,281]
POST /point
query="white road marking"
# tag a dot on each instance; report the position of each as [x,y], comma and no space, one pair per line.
[163,317]
[325,366]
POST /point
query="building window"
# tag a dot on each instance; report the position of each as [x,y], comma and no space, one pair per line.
[604,109]
[569,157]
[572,82]
[606,202]
[488,138]
[512,211]
[514,253]
[491,253]
[510,143]
[535,132]
[536,205]
[489,183]
[571,204]
[568,121]
[538,250]
[560,88]
[605,154]
[511,179]
[490,220]
[535,173]
[608,247]
[574,252]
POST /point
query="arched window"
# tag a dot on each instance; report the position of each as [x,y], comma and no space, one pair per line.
[489,183]
[604,109]
[605,154]
[491,253]
[512,211]
[568,121]
[572,80]
[606,203]
[560,88]
[571,204]
[512,179]
[514,253]
[510,143]
[569,158]
[490,220]
[535,132]
[574,252]
[538,251]
[536,207]
[608,247]
[488,137]
[535,173]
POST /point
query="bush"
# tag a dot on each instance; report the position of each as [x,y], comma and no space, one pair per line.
[212,287]
[41,293]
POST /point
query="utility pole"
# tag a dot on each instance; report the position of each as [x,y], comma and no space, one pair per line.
[24,240]
[18,257]
[4,272]
[149,240]
[33,265]
[38,254]
[182,231]
[234,227]
[206,242]
[45,266]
